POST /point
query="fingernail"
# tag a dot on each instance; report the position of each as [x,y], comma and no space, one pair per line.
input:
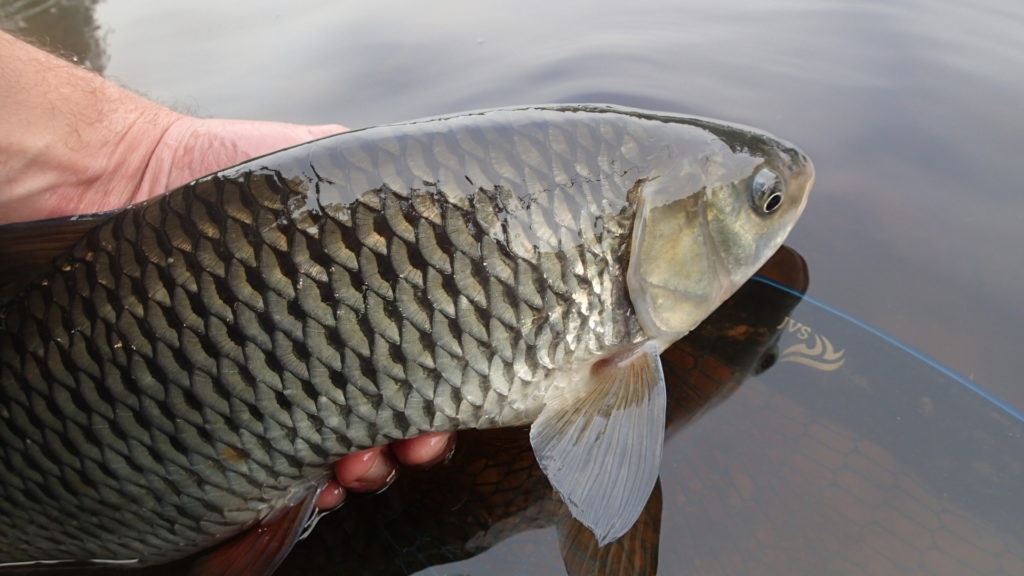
[331,497]
[389,480]
[444,451]
[449,451]
[380,475]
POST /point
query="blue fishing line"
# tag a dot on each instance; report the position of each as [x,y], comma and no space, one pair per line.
[992,398]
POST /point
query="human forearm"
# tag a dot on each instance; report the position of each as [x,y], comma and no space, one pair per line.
[67,136]
[72,143]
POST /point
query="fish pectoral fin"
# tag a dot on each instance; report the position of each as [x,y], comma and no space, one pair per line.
[601,449]
[28,249]
[259,550]
[635,553]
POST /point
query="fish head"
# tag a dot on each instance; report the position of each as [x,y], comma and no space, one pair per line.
[720,201]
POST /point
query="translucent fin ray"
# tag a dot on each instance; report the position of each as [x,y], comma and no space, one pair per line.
[601,449]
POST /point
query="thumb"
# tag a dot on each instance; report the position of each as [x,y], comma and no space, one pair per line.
[194,147]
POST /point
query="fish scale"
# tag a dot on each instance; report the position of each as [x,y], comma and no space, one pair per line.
[212,351]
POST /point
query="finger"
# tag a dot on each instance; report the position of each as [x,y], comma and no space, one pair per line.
[332,496]
[367,471]
[425,450]
[194,147]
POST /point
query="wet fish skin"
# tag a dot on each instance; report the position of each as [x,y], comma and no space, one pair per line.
[197,361]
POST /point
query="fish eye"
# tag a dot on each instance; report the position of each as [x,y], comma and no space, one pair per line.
[766,191]
[768,360]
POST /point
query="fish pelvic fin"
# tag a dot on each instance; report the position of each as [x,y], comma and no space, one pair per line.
[601,448]
[28,249]
[259,550]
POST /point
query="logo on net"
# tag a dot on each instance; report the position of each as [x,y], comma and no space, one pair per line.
[813,349]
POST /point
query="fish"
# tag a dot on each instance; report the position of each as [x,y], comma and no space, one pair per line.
[178,376]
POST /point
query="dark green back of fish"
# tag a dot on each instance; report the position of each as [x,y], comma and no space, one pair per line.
[197,361]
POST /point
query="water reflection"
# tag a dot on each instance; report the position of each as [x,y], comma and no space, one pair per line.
[64,27]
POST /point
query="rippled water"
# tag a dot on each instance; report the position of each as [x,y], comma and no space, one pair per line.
[913,112]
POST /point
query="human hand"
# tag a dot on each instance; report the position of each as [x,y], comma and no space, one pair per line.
[190,148]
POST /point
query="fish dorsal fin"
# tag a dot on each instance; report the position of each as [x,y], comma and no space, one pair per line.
[601,448]
[28,249]
[635,553]
[259,550]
